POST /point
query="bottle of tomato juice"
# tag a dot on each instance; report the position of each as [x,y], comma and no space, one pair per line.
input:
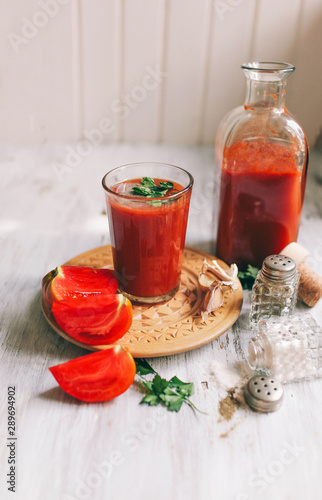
[263,154]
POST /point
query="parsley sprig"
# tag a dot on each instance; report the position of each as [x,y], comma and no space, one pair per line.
[170,393]
[248,277]
[150,189]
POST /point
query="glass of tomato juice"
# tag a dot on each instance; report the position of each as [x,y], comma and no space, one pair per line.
[148,230]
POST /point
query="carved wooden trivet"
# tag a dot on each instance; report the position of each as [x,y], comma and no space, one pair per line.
[170,327]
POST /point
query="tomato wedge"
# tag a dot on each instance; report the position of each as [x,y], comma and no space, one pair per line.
[96,377]
[76,281]
[94,320]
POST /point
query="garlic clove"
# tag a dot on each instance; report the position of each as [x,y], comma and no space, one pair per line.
[205,280]
[212,301]
[228,277]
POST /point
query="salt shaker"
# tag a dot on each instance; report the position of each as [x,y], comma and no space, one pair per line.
[274,292]
[288,348]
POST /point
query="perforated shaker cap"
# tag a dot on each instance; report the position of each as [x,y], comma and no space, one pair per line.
[279,267]
[264,394]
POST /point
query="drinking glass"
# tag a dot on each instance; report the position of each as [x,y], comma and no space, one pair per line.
[147,233]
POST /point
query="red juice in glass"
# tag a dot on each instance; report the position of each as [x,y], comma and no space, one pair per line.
[148,233]
[260,201]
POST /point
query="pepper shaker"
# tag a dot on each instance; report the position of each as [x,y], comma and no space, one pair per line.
[274,292]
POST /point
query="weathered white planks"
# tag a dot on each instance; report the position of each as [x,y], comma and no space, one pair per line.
[77,62]
[68,450]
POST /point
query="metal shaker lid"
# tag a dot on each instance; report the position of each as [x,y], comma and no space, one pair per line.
[264,394]
[279,267]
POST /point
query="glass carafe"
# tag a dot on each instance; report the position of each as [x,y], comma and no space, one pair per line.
[263,154]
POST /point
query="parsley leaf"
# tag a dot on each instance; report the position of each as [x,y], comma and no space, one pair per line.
[149,189]
[172,393]
[143,367]
[147,384]
[185,388]
[173,402]
[148,181]
[166,185]
[248,277]
[141,190]
[151,399]
[159,384]
[156,203]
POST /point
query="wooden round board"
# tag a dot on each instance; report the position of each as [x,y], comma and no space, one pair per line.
[170,327]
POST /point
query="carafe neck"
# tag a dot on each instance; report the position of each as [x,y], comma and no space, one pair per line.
[263,95]
[266,85]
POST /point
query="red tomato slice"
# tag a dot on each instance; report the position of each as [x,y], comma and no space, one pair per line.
[75,281]
[96,377]
[94,320]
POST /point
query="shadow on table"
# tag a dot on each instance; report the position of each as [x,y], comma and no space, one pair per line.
[58,395]
[30,333]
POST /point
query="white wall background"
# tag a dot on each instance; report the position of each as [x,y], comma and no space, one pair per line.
[67,64]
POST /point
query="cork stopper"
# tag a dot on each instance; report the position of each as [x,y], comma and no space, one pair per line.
[310,285]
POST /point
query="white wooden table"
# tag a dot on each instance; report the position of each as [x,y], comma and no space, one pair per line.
[120,449]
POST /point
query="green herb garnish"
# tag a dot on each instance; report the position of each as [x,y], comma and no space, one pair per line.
[248,277]
[170,393]
[150,189]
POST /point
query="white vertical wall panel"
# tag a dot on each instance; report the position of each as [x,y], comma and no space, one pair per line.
[276,36]
[80,61]
[99,80]
[231,40]
[276,30]
[305,94]
[186,44]
[37,82]
[142,31]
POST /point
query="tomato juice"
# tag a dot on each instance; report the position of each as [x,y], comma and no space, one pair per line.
[260,201]
[147,238]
